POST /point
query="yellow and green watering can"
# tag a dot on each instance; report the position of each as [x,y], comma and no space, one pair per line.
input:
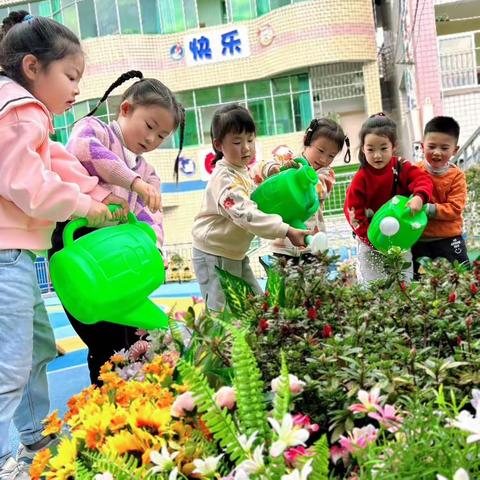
[109,273]
[393,225]
[291,193]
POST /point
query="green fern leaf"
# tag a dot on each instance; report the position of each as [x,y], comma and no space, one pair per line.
[249,387]
[320,460]
[281,400]
[218,421]
[124,467]
[176,334]
[236,291]
[275,287]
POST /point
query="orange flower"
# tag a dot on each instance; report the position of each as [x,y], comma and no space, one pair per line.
[94,437]
[39,463]
[117,422]
[118,358]
[53,424]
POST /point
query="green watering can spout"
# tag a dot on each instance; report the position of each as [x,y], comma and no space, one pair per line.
[108,274]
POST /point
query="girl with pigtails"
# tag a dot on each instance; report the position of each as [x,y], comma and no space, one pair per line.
[148,114]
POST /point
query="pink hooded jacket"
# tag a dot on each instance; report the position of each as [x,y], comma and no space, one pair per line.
[40,182]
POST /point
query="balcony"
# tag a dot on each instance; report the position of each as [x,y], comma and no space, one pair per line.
[459,70]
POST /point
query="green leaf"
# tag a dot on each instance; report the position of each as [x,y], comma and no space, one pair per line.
[218,421]
[275,287]
[249,387]
[236,291]
[281,400]
[320,460]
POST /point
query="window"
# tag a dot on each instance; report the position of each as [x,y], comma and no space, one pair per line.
[232,93]
[260,88]
[274,114]
[107,17]
[283,114]
[457,61]
[69,14]
[211,12]
[86,16]
[150,16]
[191,136]
[279,3]
[242,10]
[41,9]
[129,18]
[262,113]
[173,19]
[190,11]
[207,96]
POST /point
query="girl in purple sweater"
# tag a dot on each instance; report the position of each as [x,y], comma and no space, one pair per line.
[113,152]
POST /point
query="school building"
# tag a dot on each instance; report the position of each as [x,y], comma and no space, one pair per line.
[286,60]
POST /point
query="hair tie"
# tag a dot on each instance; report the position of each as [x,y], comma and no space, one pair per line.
[348,156]
[28,18]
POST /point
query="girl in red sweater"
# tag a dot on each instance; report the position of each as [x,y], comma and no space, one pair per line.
[381,176]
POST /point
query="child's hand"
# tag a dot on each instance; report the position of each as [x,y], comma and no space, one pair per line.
[290,163]
[297,236]
[98,214]
[115,200]
[150,195]
[415,204]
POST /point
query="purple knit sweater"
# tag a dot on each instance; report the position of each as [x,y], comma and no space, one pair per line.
[101,150]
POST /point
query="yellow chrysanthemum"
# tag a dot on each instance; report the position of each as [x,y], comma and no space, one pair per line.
[62,465]
[123,442]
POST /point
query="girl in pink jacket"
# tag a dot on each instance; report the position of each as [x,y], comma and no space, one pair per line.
[40,183]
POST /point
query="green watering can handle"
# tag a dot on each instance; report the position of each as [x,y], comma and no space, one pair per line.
[74,225]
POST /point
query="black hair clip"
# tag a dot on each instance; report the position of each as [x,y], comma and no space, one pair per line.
[348,156]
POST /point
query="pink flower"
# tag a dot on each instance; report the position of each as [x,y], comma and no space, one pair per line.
[138,349]
[226,397]
[196,300]
[359,438]
[305,421]
[179,316]
[388,418]
[182,404]
[292,453]
[338,452]
[370,402]
[296,385]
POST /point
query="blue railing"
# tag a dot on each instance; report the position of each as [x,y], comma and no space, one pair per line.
[43,276]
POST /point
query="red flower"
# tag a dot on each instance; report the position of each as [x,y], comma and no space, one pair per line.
[318,303]
[403,286]
[327,331]
[292,453]
[263,324]
[473,289]
[275,310]
[312,313]
[459,341]
[265,306]
[452,297]
[228,203]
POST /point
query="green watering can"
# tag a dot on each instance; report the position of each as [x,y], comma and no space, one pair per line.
[291,193]
[394,226]
[109,273]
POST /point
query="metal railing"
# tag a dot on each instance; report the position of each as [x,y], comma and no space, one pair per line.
[459,69]
[469,154]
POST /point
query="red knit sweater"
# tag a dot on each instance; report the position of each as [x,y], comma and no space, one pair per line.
[371,188]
